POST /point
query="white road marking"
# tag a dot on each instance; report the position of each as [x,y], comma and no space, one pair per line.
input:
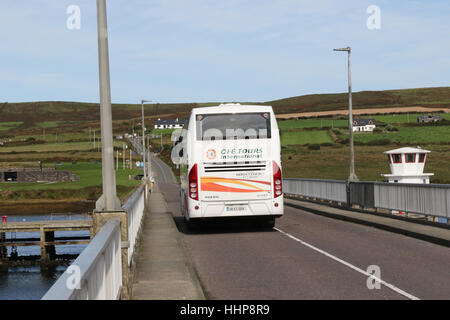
[390,286]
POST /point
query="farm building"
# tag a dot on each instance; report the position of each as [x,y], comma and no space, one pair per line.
[428,119]
[364,125]
[169,123]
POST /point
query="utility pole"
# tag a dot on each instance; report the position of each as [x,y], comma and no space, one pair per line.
[123,164]
[109,200]
[352,176]
[148,157]
[131,160]
[143,138]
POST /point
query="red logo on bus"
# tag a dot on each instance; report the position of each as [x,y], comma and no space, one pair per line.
[211,154]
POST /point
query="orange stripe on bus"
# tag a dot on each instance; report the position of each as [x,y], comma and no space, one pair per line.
[207,179]
[211,186]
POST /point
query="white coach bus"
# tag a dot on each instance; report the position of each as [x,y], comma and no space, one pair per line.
[230,165]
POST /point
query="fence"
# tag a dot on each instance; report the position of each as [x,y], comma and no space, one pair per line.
[101,271]
[426,199]
[135,211]
[333,190]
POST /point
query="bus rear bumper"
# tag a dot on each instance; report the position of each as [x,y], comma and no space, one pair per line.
[217,209]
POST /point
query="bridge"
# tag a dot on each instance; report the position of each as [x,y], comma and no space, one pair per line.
[335,241]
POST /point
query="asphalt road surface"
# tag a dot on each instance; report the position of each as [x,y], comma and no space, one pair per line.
[307,256]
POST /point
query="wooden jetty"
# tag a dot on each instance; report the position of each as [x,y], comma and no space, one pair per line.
[47,240]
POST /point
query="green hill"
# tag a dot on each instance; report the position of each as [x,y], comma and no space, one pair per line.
[35,112]
[426,97]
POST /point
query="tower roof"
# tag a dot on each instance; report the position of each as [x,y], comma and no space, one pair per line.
[407,150]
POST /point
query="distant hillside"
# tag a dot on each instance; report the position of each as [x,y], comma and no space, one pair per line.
[30,112]
[426,97]
[78,111]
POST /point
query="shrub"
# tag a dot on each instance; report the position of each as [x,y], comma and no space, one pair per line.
[327,144]
[379,142]
[287,149]
[377,130]
[336,131]
[391,128]
[314,147]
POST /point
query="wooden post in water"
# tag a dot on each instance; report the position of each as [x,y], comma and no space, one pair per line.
[44,256]
[50,249]
[3,249]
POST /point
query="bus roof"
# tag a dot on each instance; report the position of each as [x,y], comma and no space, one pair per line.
[232,108]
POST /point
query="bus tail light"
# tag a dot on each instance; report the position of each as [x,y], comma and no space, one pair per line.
[277,181]
[193,183]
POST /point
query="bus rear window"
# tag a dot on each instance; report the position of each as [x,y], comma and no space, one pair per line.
[235,126]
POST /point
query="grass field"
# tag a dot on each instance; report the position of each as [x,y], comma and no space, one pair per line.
[305,137]
[163,131]
[370,162]
[403,118]
[9,125]
[67,126]
[90,176]
[56,147]
[311,123]
[47,124]
[66,146]
[408,135]
[329,122]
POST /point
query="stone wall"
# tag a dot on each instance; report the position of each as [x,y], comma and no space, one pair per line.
[35,175]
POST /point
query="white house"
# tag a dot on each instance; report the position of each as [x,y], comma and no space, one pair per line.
[169,123]
[407,165]
[364,125]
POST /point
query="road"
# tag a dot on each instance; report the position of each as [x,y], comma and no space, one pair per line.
[308,256]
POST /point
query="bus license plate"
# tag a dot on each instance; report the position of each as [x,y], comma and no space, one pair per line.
[235,208]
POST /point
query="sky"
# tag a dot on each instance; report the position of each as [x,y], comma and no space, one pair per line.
[208,50]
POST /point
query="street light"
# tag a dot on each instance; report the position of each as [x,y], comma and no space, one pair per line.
[109,200]
[143,137]
[352,176]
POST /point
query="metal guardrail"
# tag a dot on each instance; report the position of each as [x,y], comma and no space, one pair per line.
[333,190]
[97,272]
[426,199]
[100,272]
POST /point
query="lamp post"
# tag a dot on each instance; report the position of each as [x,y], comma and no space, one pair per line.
[352,176]
[109,200]
[149,161]
[143,138]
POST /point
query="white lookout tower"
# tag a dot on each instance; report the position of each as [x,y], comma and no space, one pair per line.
[407,165]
